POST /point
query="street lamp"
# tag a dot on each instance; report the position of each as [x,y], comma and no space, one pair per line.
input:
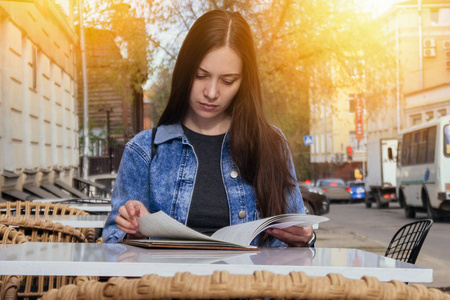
[108,110]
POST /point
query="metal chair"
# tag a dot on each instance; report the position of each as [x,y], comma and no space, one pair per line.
[407,242]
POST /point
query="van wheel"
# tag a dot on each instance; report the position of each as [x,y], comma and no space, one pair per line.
[431,212]
[368,202]
[309,210]
[410,212]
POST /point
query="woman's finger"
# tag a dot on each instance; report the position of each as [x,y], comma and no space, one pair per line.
[293,236]
[133,207]
[124,225]
[123,212]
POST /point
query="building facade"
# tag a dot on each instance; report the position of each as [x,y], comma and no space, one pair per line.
[38,127]
[419,31]
[338,148]
[115,104]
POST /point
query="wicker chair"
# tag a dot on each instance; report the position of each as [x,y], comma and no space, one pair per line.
[36,230]
[262,284]
[9,235]
[27,208]
[9,285]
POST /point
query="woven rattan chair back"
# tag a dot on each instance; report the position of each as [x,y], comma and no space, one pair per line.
[405,245]
[9,285]
[36,230]
[9,235]
[260,285]
[28,208]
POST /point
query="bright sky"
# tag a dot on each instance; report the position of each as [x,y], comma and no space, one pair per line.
[378,7]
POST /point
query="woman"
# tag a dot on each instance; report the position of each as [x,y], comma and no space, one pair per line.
[218,161]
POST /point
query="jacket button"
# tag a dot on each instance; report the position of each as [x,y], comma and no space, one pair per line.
[242,214]
[234,174]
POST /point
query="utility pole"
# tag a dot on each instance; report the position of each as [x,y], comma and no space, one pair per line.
[419,10]
[85,95]
[397,69]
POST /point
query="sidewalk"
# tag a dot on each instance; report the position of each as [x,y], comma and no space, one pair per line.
[328,237]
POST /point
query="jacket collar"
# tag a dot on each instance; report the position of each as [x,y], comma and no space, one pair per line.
[172,131]
[168,132]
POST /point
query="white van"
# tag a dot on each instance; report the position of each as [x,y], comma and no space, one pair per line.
[423,168]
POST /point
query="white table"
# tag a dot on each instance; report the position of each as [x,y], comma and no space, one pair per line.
[122,260]
[90,205]
[81,221]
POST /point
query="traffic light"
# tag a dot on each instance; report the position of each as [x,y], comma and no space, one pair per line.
[349,153]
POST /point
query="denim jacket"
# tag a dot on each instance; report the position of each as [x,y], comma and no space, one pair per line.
[166,182]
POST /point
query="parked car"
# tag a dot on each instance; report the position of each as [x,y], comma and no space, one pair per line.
[335,189]
[357,190]
[315,201]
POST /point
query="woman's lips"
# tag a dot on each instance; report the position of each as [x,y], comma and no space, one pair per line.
[208,106]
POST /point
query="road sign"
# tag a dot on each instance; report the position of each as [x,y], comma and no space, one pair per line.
[308,140]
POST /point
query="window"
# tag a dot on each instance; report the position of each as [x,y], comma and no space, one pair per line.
[447,140]
[416,119]
[34,67]
[440,17]
[431,144]
[351,103]
[422,147]
[414,144]
[418,147]
[405,154]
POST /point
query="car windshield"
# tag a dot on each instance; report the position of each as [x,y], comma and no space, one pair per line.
[332,183]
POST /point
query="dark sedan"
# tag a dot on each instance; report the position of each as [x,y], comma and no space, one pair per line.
[315,201]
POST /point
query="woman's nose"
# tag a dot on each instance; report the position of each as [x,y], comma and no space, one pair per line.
[211,90]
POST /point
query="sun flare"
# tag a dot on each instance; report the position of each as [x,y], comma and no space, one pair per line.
[378,7]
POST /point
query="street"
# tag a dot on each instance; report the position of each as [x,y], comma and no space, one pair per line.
[354,226]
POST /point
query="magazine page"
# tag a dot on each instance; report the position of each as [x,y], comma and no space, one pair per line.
[160,225]
[244,233]
[169,231]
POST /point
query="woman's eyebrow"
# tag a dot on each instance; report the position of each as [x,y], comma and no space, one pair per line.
[226,75]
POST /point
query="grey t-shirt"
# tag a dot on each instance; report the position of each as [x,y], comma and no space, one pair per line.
[209,205]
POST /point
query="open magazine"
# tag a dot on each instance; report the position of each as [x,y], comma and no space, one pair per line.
[166,232]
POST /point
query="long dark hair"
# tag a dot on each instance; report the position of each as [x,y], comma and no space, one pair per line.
[260,152]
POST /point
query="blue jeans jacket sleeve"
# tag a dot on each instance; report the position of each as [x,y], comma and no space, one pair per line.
[133,172]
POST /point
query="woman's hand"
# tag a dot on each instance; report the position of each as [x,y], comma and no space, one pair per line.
[127,218]
[293,236]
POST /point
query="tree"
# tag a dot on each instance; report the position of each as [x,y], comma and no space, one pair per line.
[161,90]
[305,49]
[124,21]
